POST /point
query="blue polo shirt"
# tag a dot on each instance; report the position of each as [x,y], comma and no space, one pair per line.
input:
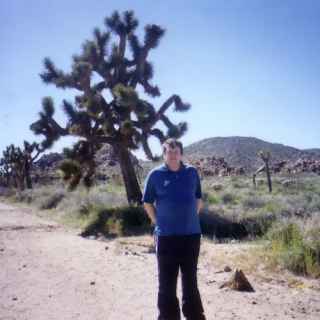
[175,195]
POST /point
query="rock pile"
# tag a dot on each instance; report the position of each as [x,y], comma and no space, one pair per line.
[212,166]
[298,166]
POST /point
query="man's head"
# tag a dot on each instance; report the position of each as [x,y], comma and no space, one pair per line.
[172,152]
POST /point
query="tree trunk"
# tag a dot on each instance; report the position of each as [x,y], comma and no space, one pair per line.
[262,168]
[8,179]
[133,191]
[19,182]
[268,177]
[254,181]
[27,175]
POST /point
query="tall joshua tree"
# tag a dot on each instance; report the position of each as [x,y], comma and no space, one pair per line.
[109,110]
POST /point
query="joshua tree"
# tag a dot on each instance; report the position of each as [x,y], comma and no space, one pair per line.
[110,110]
[265,156]
[4,172]
[13,162]
[17,163]
[30,154]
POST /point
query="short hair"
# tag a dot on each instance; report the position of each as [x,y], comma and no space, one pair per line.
[172,143]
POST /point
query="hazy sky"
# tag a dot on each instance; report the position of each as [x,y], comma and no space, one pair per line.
[249,68]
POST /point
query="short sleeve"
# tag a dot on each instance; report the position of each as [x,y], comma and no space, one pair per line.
[198,185]
[149,194]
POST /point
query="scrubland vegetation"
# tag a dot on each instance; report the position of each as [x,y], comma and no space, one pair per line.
[287,220]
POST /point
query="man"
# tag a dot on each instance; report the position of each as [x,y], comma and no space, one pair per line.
[172,199]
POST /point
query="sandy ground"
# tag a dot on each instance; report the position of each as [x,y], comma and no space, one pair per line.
[50,273]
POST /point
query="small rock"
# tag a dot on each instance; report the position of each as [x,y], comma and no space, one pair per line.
[14,298]
[24,266]
[227,269]
[1,249]
[254,302]
[238,282]
[106,247]
[211,281]
[303,310]
[92,283]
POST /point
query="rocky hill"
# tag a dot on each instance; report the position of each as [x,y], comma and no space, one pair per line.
[242,151]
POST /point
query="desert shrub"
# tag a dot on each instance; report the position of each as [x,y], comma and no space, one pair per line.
[210,198]
[292,251]
[314,204]
[257,223]
[253,202]
[6,192]
[240,183]
[216,224]
[51,201]
[272,206]
[118,221]
[82,203]
[23,196]
[216,187]
[228,198]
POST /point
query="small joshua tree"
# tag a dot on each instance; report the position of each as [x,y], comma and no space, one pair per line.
[265,156]
[13,158]
[4,172]
[110,110]
[17,163]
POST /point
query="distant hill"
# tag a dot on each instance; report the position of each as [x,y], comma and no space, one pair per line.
[242,151]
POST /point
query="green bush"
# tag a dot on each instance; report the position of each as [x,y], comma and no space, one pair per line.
[212,199]
[272,207]
[290,249]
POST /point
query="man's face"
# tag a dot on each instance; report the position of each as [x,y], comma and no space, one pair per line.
[172,156]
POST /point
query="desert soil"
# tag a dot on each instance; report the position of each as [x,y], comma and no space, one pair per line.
[49,272]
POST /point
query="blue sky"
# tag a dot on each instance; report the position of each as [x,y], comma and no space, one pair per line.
[249,68]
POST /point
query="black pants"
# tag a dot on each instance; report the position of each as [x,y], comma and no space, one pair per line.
[174,252]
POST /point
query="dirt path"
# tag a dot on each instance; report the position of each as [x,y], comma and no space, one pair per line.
[50,273]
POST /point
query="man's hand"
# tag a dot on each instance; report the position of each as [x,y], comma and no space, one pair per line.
[199,205]
[151,211]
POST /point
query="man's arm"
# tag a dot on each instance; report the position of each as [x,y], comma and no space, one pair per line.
[199,205]
[151,211]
